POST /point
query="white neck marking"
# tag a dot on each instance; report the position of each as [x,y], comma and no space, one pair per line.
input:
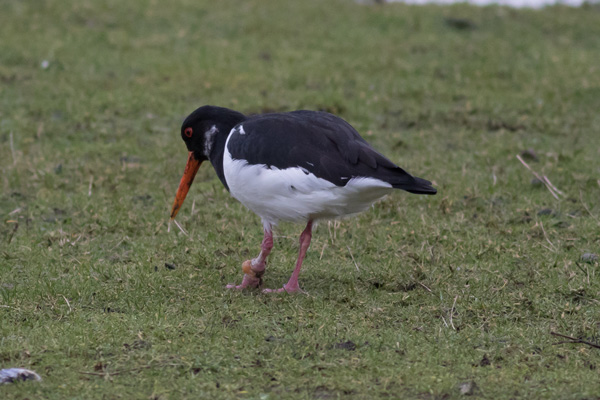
[209,138]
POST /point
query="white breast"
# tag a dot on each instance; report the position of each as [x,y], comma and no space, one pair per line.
[294,194]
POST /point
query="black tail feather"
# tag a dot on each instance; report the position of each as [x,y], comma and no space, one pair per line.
[417,186]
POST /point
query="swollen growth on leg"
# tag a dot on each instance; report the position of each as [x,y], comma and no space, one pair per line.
[255,268]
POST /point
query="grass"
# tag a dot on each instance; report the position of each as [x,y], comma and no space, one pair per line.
[457,291]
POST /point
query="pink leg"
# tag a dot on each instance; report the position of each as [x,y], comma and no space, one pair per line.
[292,285]
[255,268]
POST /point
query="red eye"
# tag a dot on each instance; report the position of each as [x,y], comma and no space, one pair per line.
[188,132]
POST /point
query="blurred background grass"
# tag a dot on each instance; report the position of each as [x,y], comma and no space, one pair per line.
[456,293]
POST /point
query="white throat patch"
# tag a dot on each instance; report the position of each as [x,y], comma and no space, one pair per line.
[209,138]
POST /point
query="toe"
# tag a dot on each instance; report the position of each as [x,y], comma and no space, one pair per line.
[286,289]
[273,290]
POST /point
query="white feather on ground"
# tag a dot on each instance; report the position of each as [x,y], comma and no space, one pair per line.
[11,375]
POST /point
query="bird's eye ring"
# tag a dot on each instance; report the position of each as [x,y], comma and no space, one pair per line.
[188,132]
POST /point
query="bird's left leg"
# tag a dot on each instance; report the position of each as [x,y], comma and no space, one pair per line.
[255,268]
[292,285]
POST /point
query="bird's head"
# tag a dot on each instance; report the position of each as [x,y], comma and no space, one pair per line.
[198,132]
[202,131]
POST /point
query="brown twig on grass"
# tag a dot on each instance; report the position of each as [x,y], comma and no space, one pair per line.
[546,236]
[452,312]
[177,225]
[585,205]
[12,233]
[121,371]
[426,288]
[90,186]
[12,149]
[574,340]
[67,301]
[117,372]
[544,179]
[353,260]
[547,182]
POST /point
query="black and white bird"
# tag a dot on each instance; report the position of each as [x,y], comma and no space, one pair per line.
[292,166]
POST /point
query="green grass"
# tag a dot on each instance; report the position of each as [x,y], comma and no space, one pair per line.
[463,287]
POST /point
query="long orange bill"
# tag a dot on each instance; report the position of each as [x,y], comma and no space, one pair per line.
[191,168]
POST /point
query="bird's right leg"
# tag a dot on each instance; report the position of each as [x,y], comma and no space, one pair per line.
[255,268]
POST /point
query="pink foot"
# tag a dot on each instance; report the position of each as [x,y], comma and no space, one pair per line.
[285,288]
[247,282]
[252,276]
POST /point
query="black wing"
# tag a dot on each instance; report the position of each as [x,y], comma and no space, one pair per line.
[320,143]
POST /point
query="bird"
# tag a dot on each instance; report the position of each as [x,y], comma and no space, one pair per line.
[300,166]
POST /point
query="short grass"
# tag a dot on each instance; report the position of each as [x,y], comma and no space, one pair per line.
[421,297]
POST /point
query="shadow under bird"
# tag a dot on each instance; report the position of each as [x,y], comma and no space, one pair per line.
[292,166]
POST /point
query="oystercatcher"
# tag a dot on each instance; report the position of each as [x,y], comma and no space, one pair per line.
[292,166]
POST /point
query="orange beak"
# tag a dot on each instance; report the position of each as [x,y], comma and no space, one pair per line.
[191,168]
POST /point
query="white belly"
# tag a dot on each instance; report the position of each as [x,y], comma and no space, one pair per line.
[292,194]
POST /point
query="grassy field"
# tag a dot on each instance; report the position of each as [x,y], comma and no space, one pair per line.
[421,297]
